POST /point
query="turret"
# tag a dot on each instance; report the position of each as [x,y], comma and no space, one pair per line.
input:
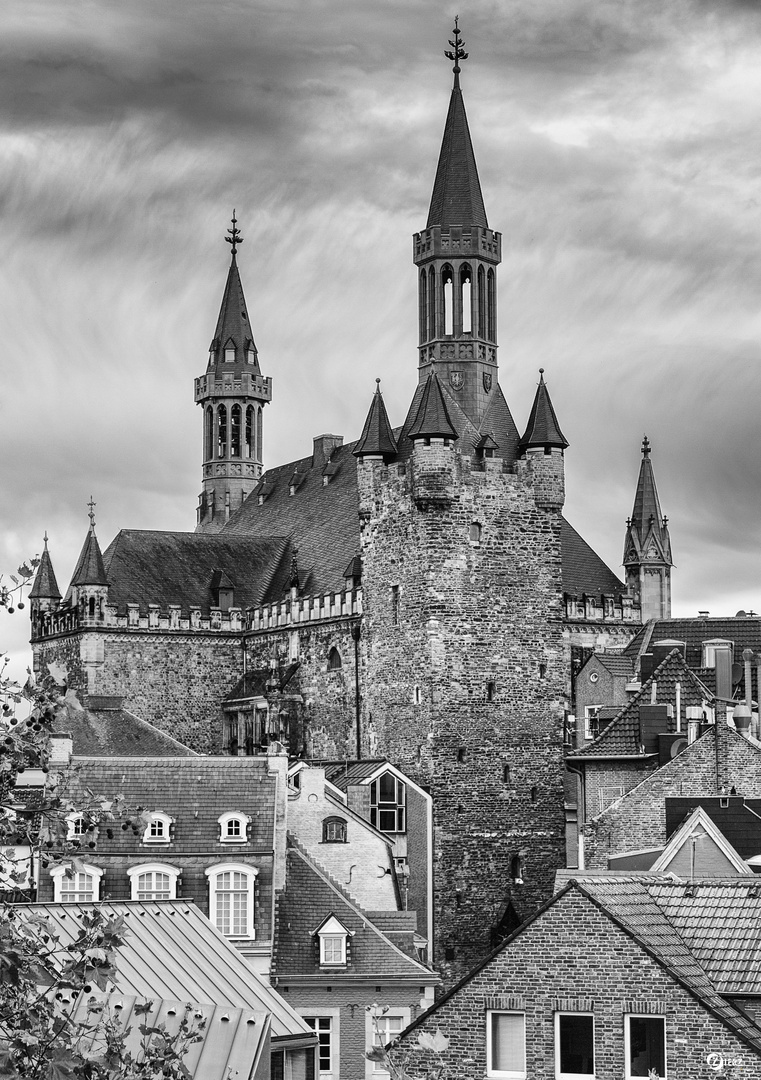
[647,547]
[457,255]
[88,591]
[377,438]
[232,394]
[44,595]
[543,444]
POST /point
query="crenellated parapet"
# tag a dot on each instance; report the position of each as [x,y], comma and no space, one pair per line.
[305,609]
[606,608]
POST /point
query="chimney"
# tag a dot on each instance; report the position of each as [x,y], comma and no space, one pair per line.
[324,445]
[653,721]
[661,649]
[694,720]
[723,662]
[646,666]
[61,747]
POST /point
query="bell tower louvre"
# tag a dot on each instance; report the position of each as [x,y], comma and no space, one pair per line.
[232,394]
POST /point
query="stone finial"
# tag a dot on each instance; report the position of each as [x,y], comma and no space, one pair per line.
[234,238]
[458,51]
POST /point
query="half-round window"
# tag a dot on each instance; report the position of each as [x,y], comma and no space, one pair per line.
[334,831]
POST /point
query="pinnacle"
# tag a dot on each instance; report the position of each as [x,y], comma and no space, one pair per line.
[543,428]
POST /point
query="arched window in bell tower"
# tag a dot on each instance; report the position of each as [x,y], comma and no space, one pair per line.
[221,431]
[259,434]
[447,289]
[423,306]
[491,303]
[235,418]
[249,431]
[208,434]
[481,328]
[466,299]
[431,303]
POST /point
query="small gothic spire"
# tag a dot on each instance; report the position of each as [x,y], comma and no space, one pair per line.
[458,51]
[377,436]
[543,428]
[234,238]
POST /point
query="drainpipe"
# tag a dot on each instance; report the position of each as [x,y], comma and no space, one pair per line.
[355,633]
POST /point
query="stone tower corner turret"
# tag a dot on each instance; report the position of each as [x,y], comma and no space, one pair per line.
[543,444]
[232,394]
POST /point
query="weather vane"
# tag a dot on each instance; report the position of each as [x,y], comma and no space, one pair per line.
[91,515]
[646,446]
[458,52]
[235,237]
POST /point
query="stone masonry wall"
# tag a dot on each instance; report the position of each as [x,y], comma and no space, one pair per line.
[466,673]
[638,820]
[174,681]
[574,959]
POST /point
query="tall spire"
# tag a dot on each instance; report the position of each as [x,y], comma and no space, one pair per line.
[457,198]
[232,393]
[647,546]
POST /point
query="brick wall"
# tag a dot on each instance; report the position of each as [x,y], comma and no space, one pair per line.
[472,676]
[573,958]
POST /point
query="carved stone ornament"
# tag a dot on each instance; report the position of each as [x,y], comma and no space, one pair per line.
[456,380]
[487,381]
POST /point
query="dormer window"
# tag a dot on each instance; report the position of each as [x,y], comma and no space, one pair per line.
[222,591]
[251,356]
[76,886]
[230,351]
[158,830]
[334,831]
[233,828]
[334,941]
[710,648]
[388,803]
[153,881]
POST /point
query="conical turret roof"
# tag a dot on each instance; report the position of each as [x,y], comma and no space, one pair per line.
[45,586]
[457,198]
[543,428]
[233,325]
[89,569]
[377,436]
[432,420]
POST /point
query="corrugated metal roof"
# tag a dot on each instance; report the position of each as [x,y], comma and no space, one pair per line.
[172,951]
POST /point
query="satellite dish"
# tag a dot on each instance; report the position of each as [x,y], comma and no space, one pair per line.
[737,674]
[677,746]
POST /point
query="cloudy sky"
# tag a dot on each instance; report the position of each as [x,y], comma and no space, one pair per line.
[619,149]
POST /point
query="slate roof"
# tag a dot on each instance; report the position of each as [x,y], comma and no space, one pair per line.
[45,585]
[233,323]
[172,951]
[432,417]
[177,568]
[583,569]
[377,435]
[114,731]
[310,896]
[456,198]
[744,631]
[195,791]
[344,774]
[89,569]
[739,821]
[615,664]
[543,428]
[621,737]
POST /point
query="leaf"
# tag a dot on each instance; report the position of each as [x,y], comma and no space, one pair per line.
[438,1042]
[58,673]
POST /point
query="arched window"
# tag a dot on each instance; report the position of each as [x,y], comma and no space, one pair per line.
[221,431]
[153,881]
[475,532]
[431,303]
[233,828]
[423,306]
[491,306]
[388,798]
[235,431]
[250,432]
[466,299]
[231,899]
[158,829]
[334,831]
[481,328]
[81,887]
[534,794]
[259,434]
[334,659]
[447,288]
[208,434]
[516,869]
[91,607]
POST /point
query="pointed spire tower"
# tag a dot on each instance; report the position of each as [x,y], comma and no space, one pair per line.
[88,590]
[457,255]
[232,394]
[44,594]
[647,548]
[377,438]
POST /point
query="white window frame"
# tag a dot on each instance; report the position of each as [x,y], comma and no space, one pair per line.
[607,795]
[512,1074]
[559,1075]
[134,873]
[250,872]
[166,821]
[334,1016]
[72,819]
[591,712]
[224,821]
[627,1043]
[374,1069]
[58,874]
[333,930]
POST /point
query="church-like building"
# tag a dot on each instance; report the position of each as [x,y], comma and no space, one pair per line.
[415,595]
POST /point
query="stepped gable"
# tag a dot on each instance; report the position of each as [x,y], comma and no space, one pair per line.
[195,791]
[309,897]
[104,729]
[165,568]
[621,737]
[583,569]
[321,520]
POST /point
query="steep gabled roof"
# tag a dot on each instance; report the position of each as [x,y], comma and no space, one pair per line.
[104,729]
[699,828]
[583,570]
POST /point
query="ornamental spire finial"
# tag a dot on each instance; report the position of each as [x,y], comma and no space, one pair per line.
[458,51]
[91,515]
[645,447]
[235,237]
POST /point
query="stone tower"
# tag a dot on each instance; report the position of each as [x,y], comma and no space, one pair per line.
[461,570]
[647,547]
[232,394]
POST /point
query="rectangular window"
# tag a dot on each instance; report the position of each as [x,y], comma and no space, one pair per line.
[591,721]
[645,1047]
[232,904]
[574,1046]
[388,797]
[323,1025]
[153,885]
[506,1045]
[385,1030]
[79,889]
[394,605]
[333,949]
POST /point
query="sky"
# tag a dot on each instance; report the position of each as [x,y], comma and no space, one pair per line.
[619,150]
